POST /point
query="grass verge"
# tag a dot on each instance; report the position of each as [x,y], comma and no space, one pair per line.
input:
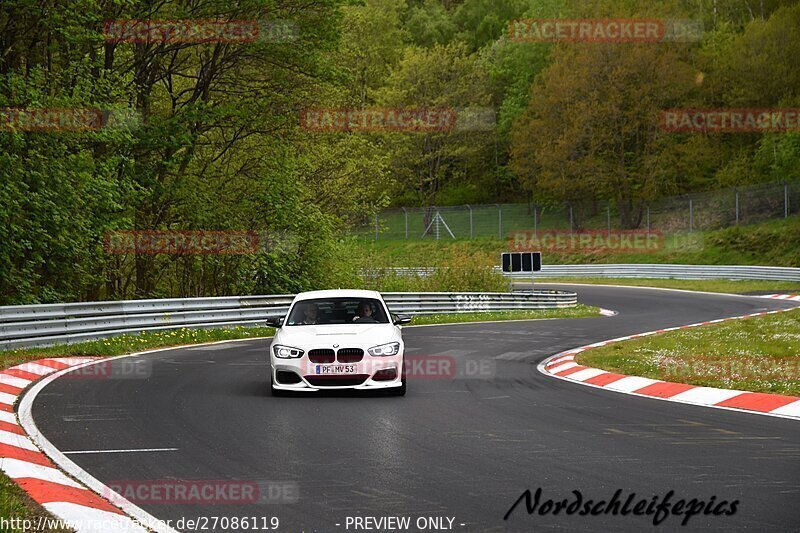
[760,354]
[132,343]
[775,242]
[710,285]
[15,503]
[579,311]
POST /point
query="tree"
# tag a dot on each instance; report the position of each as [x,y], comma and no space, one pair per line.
[430,24]
[372,43]
[591,129]
[213,149]
[444,76]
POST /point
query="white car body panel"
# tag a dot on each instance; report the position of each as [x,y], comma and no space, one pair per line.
[336,337]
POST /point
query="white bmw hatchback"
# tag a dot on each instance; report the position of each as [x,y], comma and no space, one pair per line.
[337,339]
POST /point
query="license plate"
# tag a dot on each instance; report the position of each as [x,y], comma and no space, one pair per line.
[335,369]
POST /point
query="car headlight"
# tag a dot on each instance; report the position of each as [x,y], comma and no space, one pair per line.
[287,352]
[385,349]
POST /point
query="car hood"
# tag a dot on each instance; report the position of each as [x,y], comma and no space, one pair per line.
[343,334]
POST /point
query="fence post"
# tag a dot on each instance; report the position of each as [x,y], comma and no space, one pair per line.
[405,212]
[648,219]
[737,208]
[535,236]
[691,216]
[785,200]
[500,220]
[470,220]
[570,218]
[608,217]
[376,226]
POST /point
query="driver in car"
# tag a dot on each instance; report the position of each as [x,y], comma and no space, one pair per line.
[310,314]
[364,313]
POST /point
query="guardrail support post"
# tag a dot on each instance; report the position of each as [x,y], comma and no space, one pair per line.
[500,220]
[570,218]
[785,200]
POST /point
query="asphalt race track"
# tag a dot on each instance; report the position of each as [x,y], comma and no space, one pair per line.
[459,446]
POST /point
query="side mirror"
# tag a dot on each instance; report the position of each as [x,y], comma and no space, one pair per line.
[275,321]
[401,319]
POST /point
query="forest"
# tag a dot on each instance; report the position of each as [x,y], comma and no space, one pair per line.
[209,136]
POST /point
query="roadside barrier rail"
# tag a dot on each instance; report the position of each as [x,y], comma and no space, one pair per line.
[732,272]
[658,271]
[47,324]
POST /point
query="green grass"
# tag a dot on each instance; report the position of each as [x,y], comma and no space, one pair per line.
[760,354]
[15,503]
[579,311]
[711,285]
[125,344]
[776,242]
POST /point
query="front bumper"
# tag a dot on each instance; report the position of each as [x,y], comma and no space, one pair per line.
[311,381]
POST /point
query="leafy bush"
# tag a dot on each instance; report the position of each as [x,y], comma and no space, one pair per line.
[467,272]
[460,270]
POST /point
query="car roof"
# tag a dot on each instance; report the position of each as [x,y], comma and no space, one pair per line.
[338,293]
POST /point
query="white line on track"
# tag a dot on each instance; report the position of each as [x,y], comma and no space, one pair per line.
[69,466]
[135,450]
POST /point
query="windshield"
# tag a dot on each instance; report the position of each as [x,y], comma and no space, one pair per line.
[337,311]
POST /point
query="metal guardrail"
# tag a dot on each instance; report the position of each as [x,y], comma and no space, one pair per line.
[42,325]
[733,272]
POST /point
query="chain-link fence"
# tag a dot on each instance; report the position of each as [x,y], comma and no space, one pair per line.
[679,214]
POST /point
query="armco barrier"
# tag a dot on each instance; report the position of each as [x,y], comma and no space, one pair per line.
[41,325]
[733,272]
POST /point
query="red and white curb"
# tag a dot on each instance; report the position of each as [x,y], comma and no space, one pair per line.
[793,297]
[563,366]
[22,461]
